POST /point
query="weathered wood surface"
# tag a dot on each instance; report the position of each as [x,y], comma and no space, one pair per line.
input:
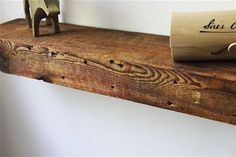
[132,66]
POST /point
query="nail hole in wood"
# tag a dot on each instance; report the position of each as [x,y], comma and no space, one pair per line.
[112,86]
[29,47]
[175,82]
[112,62]
[137,66]
[85,62]
[63,77]
[44,79]
[170,103]
[120,65]
[54,54]
[41,78]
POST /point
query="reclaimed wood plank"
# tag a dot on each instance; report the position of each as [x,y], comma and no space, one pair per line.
[127,65]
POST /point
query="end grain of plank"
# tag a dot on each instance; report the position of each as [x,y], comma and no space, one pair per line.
[127,65]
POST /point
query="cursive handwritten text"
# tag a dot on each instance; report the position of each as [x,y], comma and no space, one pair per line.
[214,27]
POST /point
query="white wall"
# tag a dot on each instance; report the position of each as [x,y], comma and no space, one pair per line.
[40,119]
[1,112]
[139,16]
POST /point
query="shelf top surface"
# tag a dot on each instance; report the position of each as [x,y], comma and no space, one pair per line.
[73,39]
[153,50]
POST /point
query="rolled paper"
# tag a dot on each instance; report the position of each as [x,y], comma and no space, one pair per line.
[232,47]
[203,36]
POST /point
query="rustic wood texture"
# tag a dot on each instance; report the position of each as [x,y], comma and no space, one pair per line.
[132,66]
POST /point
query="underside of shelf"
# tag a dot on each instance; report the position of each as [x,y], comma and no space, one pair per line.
[127,65]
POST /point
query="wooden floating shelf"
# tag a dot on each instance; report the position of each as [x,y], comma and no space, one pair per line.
[131,66]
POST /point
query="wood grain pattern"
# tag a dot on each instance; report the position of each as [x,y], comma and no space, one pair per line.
[131,66]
